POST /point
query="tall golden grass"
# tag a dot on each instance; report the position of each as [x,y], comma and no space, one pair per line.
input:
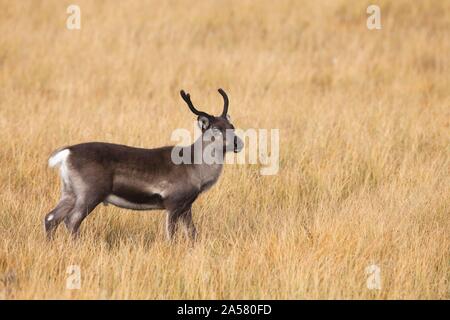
[364,142]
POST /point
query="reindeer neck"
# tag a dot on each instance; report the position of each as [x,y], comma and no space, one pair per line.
[208,173]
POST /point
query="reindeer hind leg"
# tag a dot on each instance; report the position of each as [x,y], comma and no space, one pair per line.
[84,205]
[54,217]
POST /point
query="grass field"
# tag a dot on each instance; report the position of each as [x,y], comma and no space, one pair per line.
[364,146]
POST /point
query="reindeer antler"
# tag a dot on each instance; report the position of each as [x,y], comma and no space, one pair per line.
[187,98]
[225,102]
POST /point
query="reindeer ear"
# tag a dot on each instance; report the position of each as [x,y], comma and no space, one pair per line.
[203,122]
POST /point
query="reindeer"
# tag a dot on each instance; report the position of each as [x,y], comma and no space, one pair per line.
[137,178]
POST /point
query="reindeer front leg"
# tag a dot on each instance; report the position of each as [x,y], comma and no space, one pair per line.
[188,223]
[184,215]
[171,224]
[181,209]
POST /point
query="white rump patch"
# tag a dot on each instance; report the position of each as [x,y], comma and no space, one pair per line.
[58,158]
[50,217]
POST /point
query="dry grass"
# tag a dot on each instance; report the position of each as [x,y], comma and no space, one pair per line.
[364,129]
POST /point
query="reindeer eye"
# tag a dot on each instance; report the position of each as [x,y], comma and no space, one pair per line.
[216,131]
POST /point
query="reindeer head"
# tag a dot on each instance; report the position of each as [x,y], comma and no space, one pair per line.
[220,127]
